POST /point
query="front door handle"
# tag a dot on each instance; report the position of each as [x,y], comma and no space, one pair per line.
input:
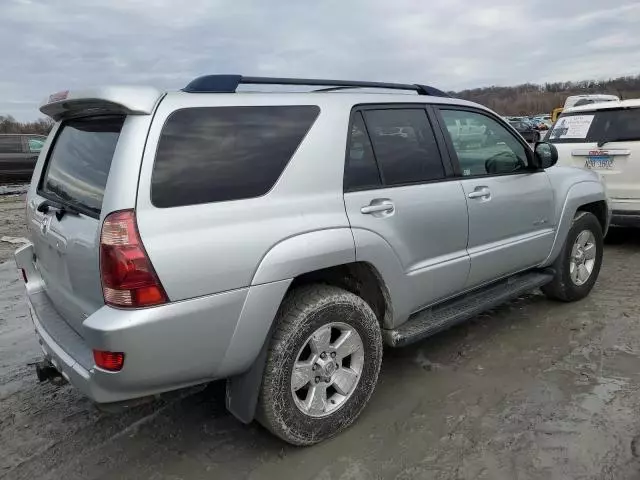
[378,206]
[480,192]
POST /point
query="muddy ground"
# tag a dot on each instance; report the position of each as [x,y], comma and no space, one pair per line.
[532,390]
[12,222]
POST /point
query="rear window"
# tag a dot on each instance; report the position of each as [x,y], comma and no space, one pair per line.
[78,167]
[609,125]
[215,154]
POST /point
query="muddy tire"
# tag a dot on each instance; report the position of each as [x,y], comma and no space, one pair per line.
[578,265]
[322,365]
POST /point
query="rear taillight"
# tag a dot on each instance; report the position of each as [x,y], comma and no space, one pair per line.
[128,278]
[112,361]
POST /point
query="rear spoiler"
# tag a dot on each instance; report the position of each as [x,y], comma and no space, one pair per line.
[100,101]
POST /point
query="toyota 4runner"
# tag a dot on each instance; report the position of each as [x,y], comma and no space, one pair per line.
[279,240]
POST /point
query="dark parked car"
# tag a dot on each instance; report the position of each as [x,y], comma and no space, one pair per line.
[18,155]
[527,130]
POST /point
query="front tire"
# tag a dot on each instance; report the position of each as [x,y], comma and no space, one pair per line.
[322,365]
[578,265]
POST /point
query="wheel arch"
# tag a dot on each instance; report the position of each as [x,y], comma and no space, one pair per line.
[359,278]
[600,210]
[587,196]
[306,252]
[325,257]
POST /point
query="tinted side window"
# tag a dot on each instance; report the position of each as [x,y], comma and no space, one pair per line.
[361,171]
[10,144]
[404,145]
[483,146]
[216,154]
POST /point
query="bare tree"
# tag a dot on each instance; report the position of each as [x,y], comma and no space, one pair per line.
[525,99]
[528,99]
[42,126]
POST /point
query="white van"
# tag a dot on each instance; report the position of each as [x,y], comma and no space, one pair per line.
[605,137]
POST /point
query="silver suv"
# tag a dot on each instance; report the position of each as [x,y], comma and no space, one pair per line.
[279,240]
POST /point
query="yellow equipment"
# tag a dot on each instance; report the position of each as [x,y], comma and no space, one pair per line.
[556,112]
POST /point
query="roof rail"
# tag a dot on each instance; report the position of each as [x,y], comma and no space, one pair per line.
[229,84]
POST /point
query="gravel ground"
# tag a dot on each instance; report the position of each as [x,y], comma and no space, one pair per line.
[532,390]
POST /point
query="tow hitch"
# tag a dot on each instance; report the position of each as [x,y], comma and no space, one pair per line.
[46,371]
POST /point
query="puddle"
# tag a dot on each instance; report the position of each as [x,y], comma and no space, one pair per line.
[602,394]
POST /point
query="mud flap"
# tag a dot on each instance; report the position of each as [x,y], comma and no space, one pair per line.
[243,390]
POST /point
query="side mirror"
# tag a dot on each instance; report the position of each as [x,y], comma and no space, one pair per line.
[545,155]
[504,162]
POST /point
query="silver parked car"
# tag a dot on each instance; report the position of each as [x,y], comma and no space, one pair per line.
[278,240]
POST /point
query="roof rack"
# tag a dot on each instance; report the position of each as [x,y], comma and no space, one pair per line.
[229,84]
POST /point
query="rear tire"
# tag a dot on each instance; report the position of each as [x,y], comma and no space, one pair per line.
[316,326]
[578,265]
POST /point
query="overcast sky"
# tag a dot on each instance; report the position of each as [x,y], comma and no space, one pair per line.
[52,45]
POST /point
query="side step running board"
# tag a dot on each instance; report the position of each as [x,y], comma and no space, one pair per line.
[440,317]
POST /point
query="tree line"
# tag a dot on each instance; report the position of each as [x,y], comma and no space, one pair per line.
[529,98]
[42,126]
[525,99]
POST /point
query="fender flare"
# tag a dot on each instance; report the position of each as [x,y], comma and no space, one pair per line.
[578,195]
[305,253]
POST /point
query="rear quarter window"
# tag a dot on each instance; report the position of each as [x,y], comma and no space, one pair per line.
[215,154]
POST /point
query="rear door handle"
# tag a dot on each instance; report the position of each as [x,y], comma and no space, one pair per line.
[378,206]
[480,192]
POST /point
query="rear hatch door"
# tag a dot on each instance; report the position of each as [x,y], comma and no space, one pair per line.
[64,214]
[604,140]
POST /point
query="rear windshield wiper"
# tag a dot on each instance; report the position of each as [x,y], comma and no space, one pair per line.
[602,142]
[60,208]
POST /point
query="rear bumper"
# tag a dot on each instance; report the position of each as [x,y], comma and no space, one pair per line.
[166,347]
[621,218]
[166,350]
[70,368]
[626,213]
